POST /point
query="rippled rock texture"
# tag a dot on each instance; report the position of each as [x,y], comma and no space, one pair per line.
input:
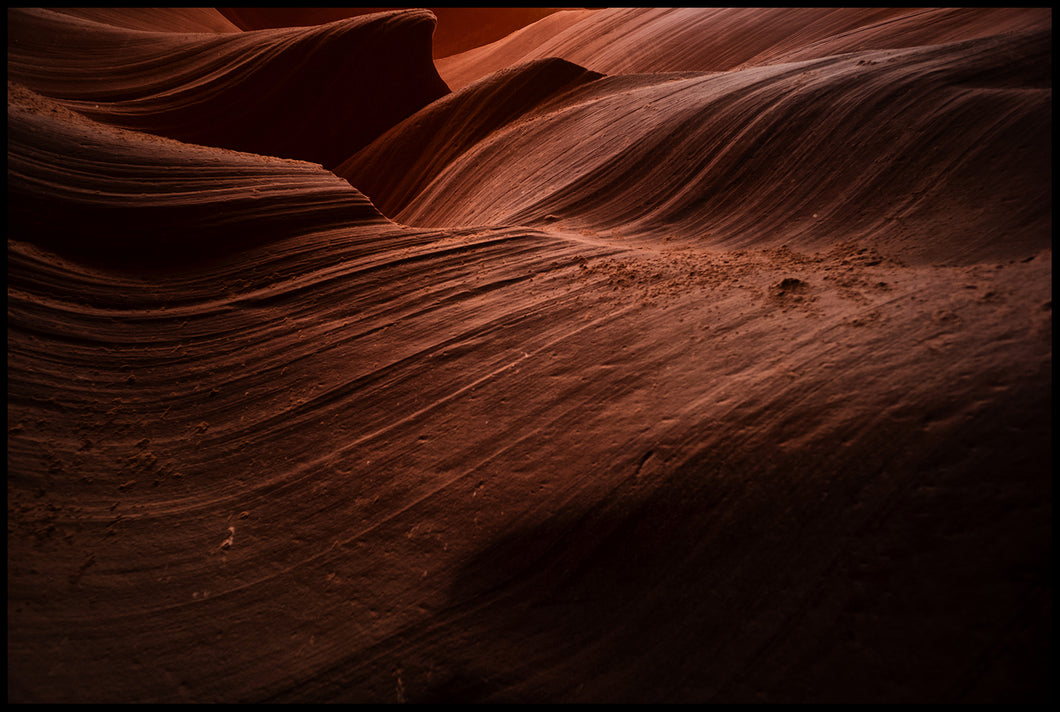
[640,355]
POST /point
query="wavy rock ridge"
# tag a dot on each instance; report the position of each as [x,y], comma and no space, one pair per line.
[879,145]
[652,40]
[609,376]
[252,91]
